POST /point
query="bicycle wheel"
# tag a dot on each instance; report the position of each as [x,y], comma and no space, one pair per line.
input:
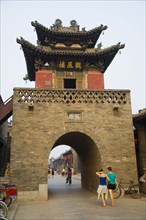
[3,209]
[134,191]
[7,201]
[117,193]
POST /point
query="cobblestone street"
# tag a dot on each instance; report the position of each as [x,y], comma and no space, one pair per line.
[71,202]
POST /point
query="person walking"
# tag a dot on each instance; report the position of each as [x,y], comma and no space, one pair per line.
[52,172]
[69,176]
[112,184]
[102,188]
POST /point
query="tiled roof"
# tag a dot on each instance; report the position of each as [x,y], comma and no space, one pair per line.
[102,57]
[140,116]
[88,52]
[63,43]
[46,35]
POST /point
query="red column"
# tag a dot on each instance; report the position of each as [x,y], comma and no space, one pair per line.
[95,79]
[43,79]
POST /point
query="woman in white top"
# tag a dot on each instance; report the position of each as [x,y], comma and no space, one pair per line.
[102,188]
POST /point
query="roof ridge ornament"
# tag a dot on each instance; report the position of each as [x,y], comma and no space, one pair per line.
[99,46]
[74,25]
[84,29]
[57,25]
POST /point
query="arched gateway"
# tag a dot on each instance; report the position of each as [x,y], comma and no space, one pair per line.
[69,105]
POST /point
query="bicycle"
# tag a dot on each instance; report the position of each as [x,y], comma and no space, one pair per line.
[8,193]
[3,210]
[132,190]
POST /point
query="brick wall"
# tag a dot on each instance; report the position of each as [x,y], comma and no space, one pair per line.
[98,125]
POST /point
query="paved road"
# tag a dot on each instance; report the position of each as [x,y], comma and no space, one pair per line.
[70,202]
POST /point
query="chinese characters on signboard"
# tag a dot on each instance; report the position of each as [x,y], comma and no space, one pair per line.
[70,65]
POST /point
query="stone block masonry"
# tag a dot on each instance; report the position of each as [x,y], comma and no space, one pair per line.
[97,124]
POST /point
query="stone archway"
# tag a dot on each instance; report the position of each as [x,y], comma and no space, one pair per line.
[88,153]
[90,121]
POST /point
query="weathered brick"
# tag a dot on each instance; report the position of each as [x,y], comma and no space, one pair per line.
[102,136]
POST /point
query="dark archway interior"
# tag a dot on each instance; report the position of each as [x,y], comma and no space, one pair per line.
[89,156]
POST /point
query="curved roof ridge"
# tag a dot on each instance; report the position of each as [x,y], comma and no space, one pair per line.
[117,46]
[99,28]
[24,42]
[37,24]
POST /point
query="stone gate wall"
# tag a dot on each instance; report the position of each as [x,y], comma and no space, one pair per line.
[41,116]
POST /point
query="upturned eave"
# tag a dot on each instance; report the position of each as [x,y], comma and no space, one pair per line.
[90,37]
[32,53]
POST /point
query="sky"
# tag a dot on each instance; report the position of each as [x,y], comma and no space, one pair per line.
[126,24]
[57,151]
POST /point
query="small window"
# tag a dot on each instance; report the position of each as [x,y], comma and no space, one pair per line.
[69,83]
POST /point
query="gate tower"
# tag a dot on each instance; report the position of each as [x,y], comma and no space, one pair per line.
[69,105]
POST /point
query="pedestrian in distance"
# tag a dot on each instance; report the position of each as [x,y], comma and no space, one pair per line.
[52,173]
[63,172]
[102,188]
[69,176]
[142,182]
[49,172]
[112,184]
